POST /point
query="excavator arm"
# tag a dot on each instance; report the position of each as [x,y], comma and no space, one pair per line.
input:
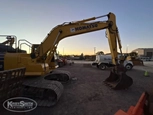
[49,45]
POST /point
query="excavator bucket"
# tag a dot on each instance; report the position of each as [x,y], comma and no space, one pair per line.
[118,79]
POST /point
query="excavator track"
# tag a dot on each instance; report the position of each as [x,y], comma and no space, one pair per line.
[59,75]
[45,92]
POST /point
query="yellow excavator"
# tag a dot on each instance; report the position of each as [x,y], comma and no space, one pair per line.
[133,56]
[42,82]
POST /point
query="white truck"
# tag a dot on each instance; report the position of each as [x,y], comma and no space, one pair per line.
[104,61]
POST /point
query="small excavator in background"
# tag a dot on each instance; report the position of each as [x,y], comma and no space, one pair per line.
[42,82]
[133,56]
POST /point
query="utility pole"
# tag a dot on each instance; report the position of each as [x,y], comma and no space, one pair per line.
[127,48]
[94,50]
[63,51]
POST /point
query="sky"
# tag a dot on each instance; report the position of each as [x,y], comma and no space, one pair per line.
[34,19]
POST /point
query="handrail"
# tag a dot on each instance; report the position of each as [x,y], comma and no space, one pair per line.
[25,44]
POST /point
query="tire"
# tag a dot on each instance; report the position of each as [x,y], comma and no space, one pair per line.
[128,67]
[102,66]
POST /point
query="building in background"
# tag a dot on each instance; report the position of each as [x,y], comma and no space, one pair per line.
[144,52]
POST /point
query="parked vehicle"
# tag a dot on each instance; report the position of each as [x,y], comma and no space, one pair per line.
[104,61]
[145,58]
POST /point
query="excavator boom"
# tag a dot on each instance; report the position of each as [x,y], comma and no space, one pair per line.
[81,27]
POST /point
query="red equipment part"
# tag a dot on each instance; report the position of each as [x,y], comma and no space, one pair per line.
[141,108]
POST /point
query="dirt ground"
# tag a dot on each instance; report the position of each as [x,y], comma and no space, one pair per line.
[88,95]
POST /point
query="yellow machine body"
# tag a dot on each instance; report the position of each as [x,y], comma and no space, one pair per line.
[17,60]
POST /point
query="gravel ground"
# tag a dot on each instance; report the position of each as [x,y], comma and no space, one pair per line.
[89,96]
